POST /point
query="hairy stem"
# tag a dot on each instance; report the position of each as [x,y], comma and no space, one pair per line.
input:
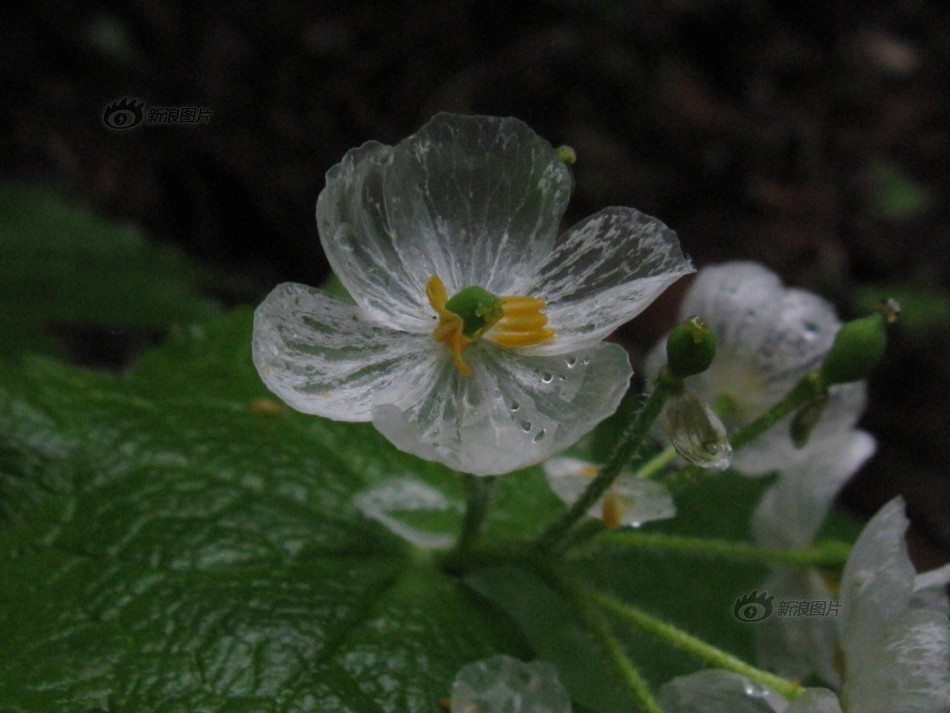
[627,446]
[829,553]
[692,645]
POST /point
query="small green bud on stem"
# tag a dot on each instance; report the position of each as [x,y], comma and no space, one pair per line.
[859,346]
[567,154]
[690,348]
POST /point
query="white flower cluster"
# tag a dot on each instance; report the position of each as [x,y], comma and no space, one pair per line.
[894,636]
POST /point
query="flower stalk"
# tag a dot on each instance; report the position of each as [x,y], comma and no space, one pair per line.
[830,553]
[627,446]
[478,498]
[692,645]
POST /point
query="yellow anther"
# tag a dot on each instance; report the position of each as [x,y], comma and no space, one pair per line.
[613,508]
[522,323]
[519,324]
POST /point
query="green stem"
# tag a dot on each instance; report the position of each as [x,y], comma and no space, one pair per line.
[829,553]
[809,388]
[478,497]
[598,627]
[656,463]
[690,644]
[627,445]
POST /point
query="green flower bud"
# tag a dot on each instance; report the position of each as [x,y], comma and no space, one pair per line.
[858,346]
[690,348]
[478,308]
[567,154]
[696,432]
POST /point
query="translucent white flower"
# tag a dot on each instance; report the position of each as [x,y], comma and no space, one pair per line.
[789,515]
[629,501]
[502,684]
[894,634]
[768,337]
[894,631]
[475,336]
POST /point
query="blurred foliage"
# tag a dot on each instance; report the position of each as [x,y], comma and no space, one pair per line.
[63,267]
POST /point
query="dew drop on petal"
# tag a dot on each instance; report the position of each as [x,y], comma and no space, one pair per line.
[514,406]
[539,435]
[571,362]
[547,377]
[526,426]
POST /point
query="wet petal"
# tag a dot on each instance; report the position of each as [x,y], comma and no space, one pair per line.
[502,684]
[878,579]
[634,500]
[718,691]
[603,272]
[792,510]
[511,412]
[907,669]
[320,355]
[475,200]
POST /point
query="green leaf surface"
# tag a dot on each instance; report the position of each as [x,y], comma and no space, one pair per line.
[172,539]
[62,265]
[171,543]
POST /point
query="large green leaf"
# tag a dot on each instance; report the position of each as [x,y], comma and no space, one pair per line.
[167,543]
[61,265]
[173,540]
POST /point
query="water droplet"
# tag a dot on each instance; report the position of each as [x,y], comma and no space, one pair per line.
[547,377]
[515,407]
[526,426]
[539,435]
[571,362]
[585,361]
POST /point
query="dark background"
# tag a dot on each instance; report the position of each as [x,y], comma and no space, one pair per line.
[810,136]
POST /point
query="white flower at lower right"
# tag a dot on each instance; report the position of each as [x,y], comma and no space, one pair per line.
[893,632]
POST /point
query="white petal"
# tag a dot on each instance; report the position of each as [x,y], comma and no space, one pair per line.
[502,684]
[930,589]
[768,337]
[718,691]
[511,412]
[476,200]
[393,502]
[320,355]
[896,647]
[603,272]
[798,646]
[908,669]
[793,509]
[640,500]
[815,700]
[878,579]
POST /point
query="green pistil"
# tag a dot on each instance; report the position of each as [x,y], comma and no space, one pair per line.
[478,308]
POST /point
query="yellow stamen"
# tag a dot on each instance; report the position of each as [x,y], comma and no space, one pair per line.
[521,323]
[613,508]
